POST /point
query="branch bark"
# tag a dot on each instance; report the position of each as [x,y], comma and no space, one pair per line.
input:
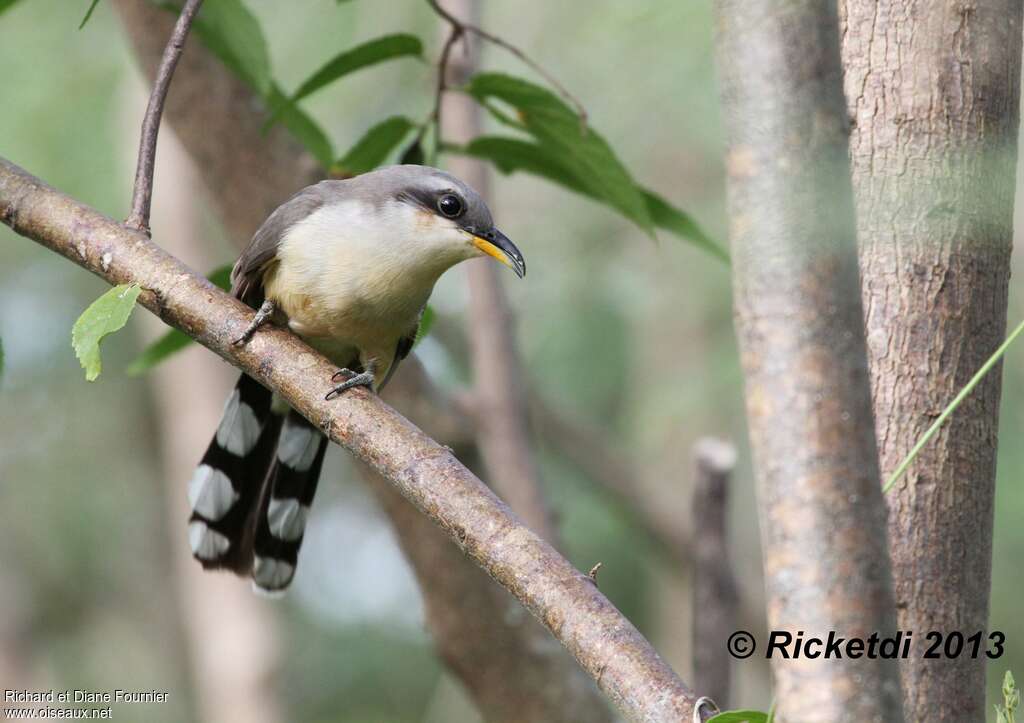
[142,195]
[799,324]
[934,153]
[714,587]
[605,644]
[499,389]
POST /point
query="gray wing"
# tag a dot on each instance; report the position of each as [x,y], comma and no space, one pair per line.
[247,275]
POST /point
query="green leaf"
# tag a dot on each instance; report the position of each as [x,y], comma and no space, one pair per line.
[739,716]
[512,154]
[374,147]
[104,316]
[174,341]
[361,56]
[1,357]
[233,34]
[560,132]
[88,13]
[8,4]
[304,128]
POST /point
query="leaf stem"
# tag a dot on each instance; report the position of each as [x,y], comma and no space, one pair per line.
[937,424]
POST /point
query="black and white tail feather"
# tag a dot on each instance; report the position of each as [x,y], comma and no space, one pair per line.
[253,489]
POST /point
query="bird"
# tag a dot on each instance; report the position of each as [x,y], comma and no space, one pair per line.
[348,266]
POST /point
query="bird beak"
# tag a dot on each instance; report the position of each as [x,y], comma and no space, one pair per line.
[497,245]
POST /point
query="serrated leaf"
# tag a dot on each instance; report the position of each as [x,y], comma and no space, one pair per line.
[739,716]
[578,148]
[512,154]
[88,13]
[233,34]
[107,314]
[174,340]
[374,147]
[304,128]
[362,56]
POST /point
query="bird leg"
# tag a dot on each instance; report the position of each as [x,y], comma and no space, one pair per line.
[363,379]
[265,311]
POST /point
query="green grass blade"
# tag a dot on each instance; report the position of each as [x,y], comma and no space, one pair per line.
[937,424]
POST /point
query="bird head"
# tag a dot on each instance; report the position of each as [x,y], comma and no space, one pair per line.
[442,216]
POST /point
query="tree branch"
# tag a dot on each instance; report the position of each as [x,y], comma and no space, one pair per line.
[800,331]
[714,587]
[142,195]
[605,644]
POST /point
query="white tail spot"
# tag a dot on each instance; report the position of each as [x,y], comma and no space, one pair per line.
[287,519]
[271,575]
[210,492]
[206,544]
[298,445]
[239,429]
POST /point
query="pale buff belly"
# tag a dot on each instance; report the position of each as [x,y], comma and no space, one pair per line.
[348,328]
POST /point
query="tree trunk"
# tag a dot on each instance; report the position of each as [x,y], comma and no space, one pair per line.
[799,323]
[933,91]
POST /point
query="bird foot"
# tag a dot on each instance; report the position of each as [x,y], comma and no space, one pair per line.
[363,379]
[264,313]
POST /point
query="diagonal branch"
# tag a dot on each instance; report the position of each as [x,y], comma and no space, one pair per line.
[607,646]
[142,195]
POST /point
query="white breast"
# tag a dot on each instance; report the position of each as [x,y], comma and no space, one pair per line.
[354,274]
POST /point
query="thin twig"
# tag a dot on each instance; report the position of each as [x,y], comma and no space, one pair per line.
[442,86]
[462,27]
[142,195]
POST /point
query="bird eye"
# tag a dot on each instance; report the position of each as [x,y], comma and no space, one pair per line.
[449,205]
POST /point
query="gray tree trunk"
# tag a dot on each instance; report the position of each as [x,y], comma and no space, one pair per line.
[800,328]
[933,92]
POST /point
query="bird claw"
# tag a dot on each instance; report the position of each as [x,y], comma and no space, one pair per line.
[363,379]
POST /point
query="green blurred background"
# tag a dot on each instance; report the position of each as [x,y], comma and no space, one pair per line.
[631,334]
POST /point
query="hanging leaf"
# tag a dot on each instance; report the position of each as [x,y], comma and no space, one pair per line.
[174,340]
[233,34]
[88,13]
[107,314]
[304,128]
[509,155]
[561,133]
[359,57]
[374,147]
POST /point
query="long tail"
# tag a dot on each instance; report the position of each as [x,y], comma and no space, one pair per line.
[252,491]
